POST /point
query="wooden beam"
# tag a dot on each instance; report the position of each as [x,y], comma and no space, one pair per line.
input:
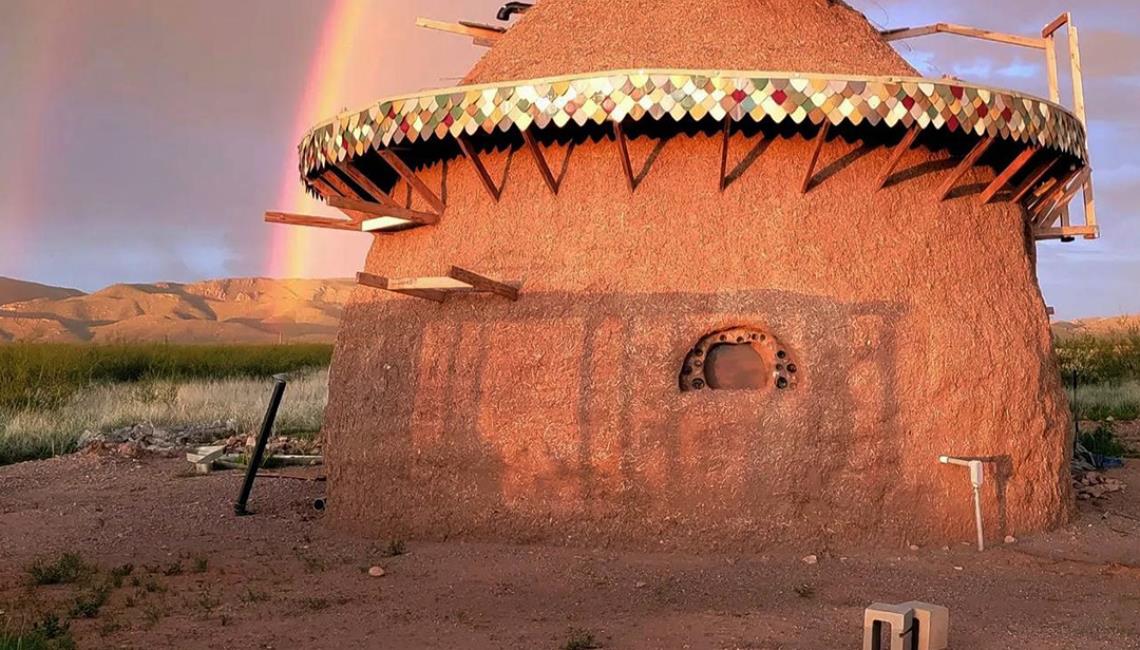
[623,149]
[330,178]
[1051,198]
[383,283]
[967,163]
[366,184]
[412,179]
[381,210]
[1088,232]
[371,280]
[1066,191]
[964,30]
[1051,70]
[468,150]
[1078,76]
[484,35]
[307,221]
[897,155]
[820,138]
[1007,174]
[1058,23]
[1032,179]
[724,153]
[483,283]
[323,188]
[540,160]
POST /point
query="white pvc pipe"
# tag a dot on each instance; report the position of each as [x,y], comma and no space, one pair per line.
[977,478]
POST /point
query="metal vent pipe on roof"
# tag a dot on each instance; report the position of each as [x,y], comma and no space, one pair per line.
[512,8]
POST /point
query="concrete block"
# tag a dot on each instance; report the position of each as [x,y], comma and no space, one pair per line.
[899,618]
[933,625]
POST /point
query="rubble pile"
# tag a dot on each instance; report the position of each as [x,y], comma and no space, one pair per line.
[1095,485]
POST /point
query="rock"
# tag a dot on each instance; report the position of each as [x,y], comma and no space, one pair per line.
[1010,539]
[639,585]
[809,559]
[914,547]
[376,572]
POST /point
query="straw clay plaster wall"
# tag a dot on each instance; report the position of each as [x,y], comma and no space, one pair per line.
[918,327]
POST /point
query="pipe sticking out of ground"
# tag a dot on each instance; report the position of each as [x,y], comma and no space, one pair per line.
[977,478]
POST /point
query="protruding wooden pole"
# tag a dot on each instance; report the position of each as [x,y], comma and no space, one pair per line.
[897,155]
[820,138]
[1007,174]
[623,149]
[540,160]
[967,163]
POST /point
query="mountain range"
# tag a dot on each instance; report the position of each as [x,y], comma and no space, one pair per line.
[238,310]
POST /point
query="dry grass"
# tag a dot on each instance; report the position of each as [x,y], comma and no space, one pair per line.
[1104,401]
[38,433]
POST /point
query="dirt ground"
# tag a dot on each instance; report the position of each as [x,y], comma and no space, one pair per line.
[281,579]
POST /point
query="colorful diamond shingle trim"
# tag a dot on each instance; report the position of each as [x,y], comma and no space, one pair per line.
[622,96]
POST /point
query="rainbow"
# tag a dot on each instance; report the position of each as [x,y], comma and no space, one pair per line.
[292,250]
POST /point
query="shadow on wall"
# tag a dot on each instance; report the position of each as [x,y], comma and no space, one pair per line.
[558,418]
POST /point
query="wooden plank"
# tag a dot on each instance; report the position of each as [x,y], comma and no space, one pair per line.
[412,179]
[1032,179]
[481,35]
[897,155]
[967,163]
[342,188]
[447,284]
[1007,174]
[1051,198]
[1064,193]
[382,210]
[323,188]
[468,150]
[963,30]
[1088,232]
[311,222]
[820,138]
[366,184]
[1078,76]
[623,149]
[724,153]
[483,283]
[540,160]
[372,280]
[1058,23]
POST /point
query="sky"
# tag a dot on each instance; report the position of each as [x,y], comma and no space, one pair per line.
[142,140]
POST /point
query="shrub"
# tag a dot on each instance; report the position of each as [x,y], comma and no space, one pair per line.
[67,568]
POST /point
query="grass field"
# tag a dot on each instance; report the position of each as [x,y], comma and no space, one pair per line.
[51,394]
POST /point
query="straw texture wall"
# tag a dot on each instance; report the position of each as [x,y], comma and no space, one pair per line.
[918,327]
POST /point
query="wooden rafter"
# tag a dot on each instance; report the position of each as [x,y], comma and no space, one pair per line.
[897,155]
[311,222]
[623,149]
[963,30]
[409,176]
[374,192]
[724,153]
[540,160]
[483,283]
[381,210]
[809,174]
[1088,232]
[1061,196]
[324,188]
[330,178]
[967,163]
[484,35]
[1007,174]
[468,150]
[1032,179]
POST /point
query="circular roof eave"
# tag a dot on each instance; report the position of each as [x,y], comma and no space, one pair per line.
[620,96]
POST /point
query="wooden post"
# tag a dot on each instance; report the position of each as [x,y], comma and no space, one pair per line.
[413,180]
[623,149]
[724,153]
[366,184]
[1003,178]
[820,138]
[897,156]
[483,283]
[968,162]
[1032,179]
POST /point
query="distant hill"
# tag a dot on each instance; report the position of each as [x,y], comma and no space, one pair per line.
[18,291]
[1108,326]
[240,310]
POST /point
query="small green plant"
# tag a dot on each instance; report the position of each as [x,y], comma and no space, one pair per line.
[200,564]
[173,569]
[1104,442]
[581,640]
[252,596]
[207,602]
[47,634]
[315,604]
[153,613]
[119,573]
[395,547]
[67,568]
[804,591]
[88,603]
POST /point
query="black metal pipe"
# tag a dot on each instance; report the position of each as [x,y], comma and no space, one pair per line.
[259,448]
[512,8]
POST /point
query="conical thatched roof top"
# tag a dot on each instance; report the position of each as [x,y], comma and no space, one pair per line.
[559,37]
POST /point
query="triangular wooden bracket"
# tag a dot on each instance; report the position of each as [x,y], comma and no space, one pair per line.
[468,150]
[1007,174]
[540,160]
[381,210]
[897,155]
[1032,179]
[967,163]
[809,174]
[437,289]
[371,189]
[483,283]
[413,181]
